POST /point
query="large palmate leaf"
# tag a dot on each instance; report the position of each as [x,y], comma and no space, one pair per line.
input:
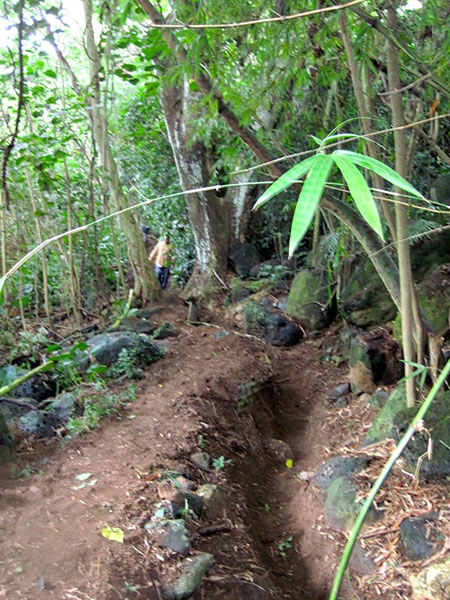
[285,181]
[381,169]
[360,192]
[309,198]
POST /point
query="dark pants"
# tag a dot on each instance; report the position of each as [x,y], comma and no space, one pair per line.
[162,273]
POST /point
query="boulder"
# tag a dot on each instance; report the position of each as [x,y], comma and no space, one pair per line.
[309,301]
[417,537]
[242,258]
[164,331]
[434,300]
[190,578]
[341,507]
[432,582]
[106,347]
[393,420]
[172,534]
[184,499]
[270,325]
[39,387]
[136,324]
[440,190]
[374,359]
[338,466]
[214,501]
[39,423]
[364,300]
[7,445]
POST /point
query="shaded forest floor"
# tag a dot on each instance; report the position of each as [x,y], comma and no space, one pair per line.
[269,541]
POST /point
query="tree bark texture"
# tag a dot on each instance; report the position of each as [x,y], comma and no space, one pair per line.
[144,280]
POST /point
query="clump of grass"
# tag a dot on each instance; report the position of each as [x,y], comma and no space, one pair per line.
[97,408]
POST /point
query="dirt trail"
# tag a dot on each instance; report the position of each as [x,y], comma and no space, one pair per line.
[50,541]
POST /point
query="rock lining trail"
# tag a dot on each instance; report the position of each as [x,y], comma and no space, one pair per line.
[249,406]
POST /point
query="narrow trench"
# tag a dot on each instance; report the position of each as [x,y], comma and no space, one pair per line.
[276,501]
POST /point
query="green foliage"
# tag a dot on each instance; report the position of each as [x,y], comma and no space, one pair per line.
[318,168]
[97,407]
[220,463]
[125,366]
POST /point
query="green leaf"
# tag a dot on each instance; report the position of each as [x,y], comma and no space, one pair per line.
[360,192]
[309,198]
[285,181]
[113,533]
[83,476]
[381,169]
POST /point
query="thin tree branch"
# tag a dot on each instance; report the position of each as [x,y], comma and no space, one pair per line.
[300,15]
[207,88]
[20,104]
[336,144]
[414,83]
[387,33]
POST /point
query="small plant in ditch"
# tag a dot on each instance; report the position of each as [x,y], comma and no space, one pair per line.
[221,462]
[285,545]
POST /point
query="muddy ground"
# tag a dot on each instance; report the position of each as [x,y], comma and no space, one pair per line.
[269,541]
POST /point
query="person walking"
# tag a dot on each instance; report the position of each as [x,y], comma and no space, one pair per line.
[161,256]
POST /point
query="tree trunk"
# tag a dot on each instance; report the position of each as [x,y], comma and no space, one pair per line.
[216,221]
[144,281]
[401,166]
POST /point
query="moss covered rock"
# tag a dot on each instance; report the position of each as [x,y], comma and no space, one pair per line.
[270,325]
[7,446]
[364,300]
[309,299]
[434,300]
[393,420]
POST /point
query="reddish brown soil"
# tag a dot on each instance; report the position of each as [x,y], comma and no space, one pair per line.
[50,534]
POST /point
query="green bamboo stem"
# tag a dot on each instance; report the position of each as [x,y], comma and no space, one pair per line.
[412,429]
[8,388]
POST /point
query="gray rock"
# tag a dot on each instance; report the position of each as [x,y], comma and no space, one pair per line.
[338,466]
[63,406]
[39,387]
[172,534]
[273,327]
[243,257]
[13,412]
[106,347]
[393,420]
[308,300]
[414,537]
[136,324]
[338,392]
[185,499]
[7,444]
[374,359]
[39,423]
[215,501]
[201,459]
[190,579]
[340,508]
[364,300]
[360,563]
[432,582]
[164,331]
